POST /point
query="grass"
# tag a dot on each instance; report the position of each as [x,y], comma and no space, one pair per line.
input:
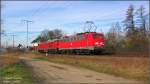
[13,71]
[40,59]
[7,59]
[135,68]
[16,74]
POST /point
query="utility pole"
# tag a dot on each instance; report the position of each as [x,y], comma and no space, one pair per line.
[27,23]
[0,36]
[13,38]
[6,44]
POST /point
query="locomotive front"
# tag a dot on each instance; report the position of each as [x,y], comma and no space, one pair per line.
[98,42]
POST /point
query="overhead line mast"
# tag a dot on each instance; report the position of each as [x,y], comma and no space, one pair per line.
[27,23]
[0,36]
[13,38]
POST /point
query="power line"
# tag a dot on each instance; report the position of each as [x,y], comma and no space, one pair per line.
[24,32]
[37,10]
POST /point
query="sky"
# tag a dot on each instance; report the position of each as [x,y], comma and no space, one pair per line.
[70,16]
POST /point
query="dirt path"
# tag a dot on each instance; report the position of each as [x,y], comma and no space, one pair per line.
[48,73]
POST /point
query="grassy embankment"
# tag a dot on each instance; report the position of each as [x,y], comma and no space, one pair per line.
[13,71]
[135,68]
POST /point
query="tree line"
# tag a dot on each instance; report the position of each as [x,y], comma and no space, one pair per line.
[48,35]
[133,35]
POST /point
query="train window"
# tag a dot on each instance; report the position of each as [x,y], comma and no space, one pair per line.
[81,37]
[97,36]
[75,38]
[78,38]
[71,39]
[94,35]
[65,40]
[68,39]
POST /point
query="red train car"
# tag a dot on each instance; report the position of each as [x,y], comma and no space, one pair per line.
[89,42]
[53,46]
[42,47]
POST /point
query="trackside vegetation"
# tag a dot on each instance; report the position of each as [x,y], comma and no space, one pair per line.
[16,74]
[13,70]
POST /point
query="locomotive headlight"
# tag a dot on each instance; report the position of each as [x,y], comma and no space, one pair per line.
[101,43]
[35,44]
[96,43]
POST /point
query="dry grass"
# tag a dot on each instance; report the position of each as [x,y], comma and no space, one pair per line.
[13,57]
[128,67]
[8,59]
[33,55]
[13,70]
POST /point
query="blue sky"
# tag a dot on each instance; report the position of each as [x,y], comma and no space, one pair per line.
[69,16]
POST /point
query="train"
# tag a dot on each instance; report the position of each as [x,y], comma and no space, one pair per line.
[81,43]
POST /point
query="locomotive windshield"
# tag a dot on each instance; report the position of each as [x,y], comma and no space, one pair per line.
[97,36]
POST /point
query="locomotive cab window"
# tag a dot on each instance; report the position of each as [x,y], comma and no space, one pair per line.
[97,36]
[81,37]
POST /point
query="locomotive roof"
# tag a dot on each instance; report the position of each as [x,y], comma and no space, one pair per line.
[84,33]
[52,40]
[78,34]
[48,41]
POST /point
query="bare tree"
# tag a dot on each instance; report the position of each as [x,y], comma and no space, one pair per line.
[57,33]
[141,20]
[48,35]
[129,21]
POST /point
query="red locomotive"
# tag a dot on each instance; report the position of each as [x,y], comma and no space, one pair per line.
[89,42]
